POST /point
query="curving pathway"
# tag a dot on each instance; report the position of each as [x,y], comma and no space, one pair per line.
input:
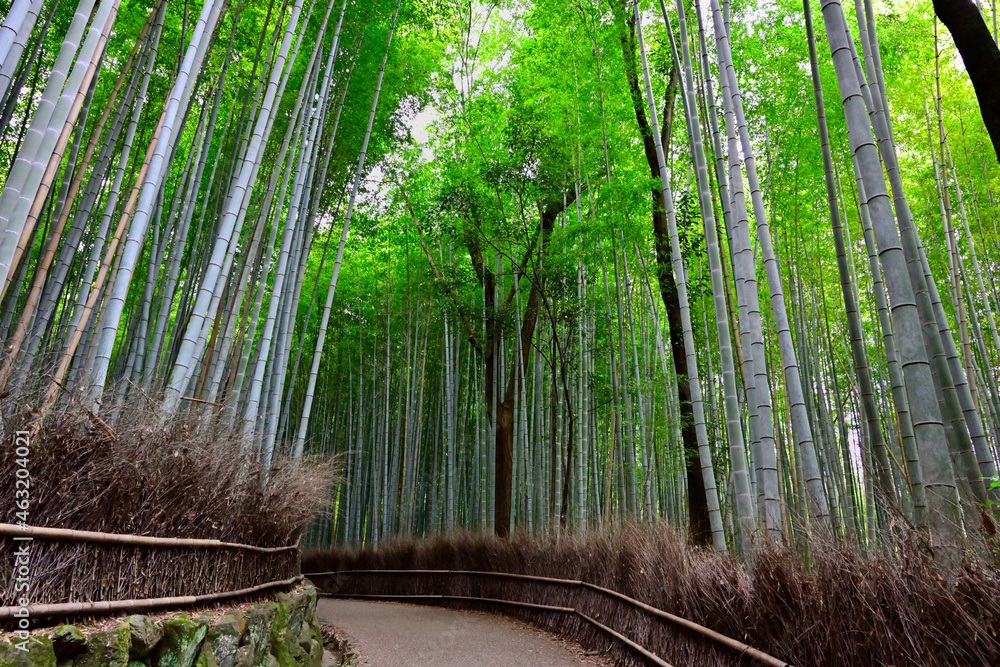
[389,634]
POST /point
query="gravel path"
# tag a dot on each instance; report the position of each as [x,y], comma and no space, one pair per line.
[402,635]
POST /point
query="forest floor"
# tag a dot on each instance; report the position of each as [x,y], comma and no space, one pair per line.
[402,635]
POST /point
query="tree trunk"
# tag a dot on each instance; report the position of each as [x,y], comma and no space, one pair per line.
[980,55]
[699,527]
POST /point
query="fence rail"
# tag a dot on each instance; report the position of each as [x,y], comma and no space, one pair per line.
[68,535]
[114,606]
[90,573]
[734,644]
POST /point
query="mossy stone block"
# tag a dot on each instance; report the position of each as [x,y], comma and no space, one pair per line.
[181,642]
[106,649]
[256,638]
[221,647]
[146,634]
[301,647]
[38,653]
[295,607]
[279,644]
[68,642]
[316,645]
[314,658]
[311,593]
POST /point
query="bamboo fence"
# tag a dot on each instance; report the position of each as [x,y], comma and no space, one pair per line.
[736,648]
[88,573]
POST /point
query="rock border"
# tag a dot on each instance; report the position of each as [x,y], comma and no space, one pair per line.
[280,633]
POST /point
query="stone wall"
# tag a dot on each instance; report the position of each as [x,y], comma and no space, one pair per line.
[283,633]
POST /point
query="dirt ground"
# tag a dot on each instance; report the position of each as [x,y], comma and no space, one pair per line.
[389,634]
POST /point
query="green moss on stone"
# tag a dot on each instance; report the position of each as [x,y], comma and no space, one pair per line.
[68,642]
[256,637]
[271,634]
[146,634]
[181,642]
[280,648]
[314,658]
[39,653]
[294,606]
[222,642]
[106,649]
[316,644]
[311,594]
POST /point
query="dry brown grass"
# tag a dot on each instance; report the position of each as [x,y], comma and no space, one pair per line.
[174,481]
[845,607]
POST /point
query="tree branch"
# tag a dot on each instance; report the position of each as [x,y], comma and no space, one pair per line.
[473,338]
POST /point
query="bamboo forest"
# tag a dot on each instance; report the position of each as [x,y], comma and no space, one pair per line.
[535,269]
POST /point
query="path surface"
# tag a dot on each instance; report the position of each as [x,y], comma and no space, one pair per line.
[402,635]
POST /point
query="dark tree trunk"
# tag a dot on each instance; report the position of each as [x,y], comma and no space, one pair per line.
[570,430]
[698,523]
[554,464]
[504,460]
[980,55]
[504,468]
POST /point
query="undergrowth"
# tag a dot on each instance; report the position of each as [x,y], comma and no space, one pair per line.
[845,606]
[185,480]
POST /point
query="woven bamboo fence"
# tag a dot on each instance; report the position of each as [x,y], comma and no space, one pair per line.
[69,567]
[572,607]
